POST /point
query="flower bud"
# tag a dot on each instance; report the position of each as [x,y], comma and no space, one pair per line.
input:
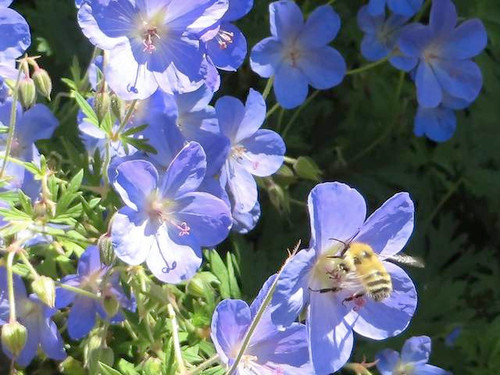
[43,82]
[102,105]
[44,208]
[111,305]
[106,250]
[199,284]
[117,107]
[45,289]
[278,197]
[27,92]
[14,337]
[153,366]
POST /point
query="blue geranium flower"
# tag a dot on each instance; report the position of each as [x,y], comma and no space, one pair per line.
[36,317]
[227,47]
[150,46]
[413,359]
[16,39]
[297,54]
[36,123]
[166,221]
[337,215]
[271,350]
[254,151]
[402,7]
[94,277]
[441,53]
[381,34]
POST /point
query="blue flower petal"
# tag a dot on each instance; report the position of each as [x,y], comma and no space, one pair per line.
[63,296]
[373,49]
[290,86]
[208,217]
[416,350]
[90,261]
[337,212]
[266,57]
[467,40]
[186,172]
[292,293]
[380,320]
[286,19]
[228,56]
[237,9]
[437,124]
[387,360]
[321,27]
[388,229]
[430,370]
[36,123]
[330,336]
[376,7]
[82,317]
[16,37]
[415,39]
[173,261]
[259,300]
[255,114]
[443,17]
[405,7]
[5,3]
[29,351]
[324,67]
[230,323]
[51,341]
[242,186]
[459,78]
[92,31]
[429,93]
[135,180]
[245,221]
[230,112]
[264,154]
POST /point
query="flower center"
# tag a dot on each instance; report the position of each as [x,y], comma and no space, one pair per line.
[161,212]
[224,38]
[240,154]
[293,55]
[150,35]
[404,369]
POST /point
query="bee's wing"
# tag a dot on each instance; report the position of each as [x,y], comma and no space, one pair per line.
[406,259]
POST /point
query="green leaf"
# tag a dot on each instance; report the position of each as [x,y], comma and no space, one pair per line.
[86,108]
[306,168]
[106,370]
[219,269]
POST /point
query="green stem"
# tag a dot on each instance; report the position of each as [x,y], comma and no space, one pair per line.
[290,160]
[10,286]
[105,166]
[442,202]
[267,89]
[204,365]
[127,117]
[367,66]
[28,264]
[12,123]
[365,151]
[76,290]
[297,113]
[272,110]
[175,338]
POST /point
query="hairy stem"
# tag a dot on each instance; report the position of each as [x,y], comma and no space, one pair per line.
[175,337]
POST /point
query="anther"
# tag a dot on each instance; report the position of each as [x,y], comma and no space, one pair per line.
[224,38]
[148,40]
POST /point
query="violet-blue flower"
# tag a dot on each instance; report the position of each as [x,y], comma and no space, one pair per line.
[16,39]
[270,351]
[166,221]
[442,53]
[381,33]
[402,7]
[337,215]
[36,317]
[412,361]
[95,277]
[297,54]
[150,46]
[227,46]
[36,123]
[254,151]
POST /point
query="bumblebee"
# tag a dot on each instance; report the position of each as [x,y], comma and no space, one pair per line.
[361,270]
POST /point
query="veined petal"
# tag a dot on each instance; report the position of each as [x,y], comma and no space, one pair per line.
[424,369]
[36,123]
[63,296]
[255,114]
[380,320]
[429,93]
[231,55]
[90,261]
[330,336]
[459,78]
[437,124]
[415,39]
[176,81]
[237,10]
[405,7]
[321,27]
[32,341]
[186,172]
[195,16]
[131,236]
[245,221]
[373,49]
[266,56]
[135,180]
[51,341]
[292,294]
[230,112]
[388,229]
[81,317]
[443,17]
[208,217]
[242,186]
[114,18]
[376,7]
[173,261]
[290,86]
[16,37]
[337,212]
[264,153]
[387,359]
[467,40]
[324,67]
[286,19]
[416,349]
[230,323]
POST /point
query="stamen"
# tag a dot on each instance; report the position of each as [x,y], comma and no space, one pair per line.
[184,229]
[239,153]
[224,38]
[148,40]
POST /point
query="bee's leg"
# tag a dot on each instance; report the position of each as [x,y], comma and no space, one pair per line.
[325,290]
[353,297]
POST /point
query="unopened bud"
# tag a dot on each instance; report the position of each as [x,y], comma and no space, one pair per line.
[102,105]
[117,107]
[153,366]
[106,250]
[111,305]
[199,284]
[27,92]
[45,289]
[14,337]
[44,208]
[43,82]
[278,197]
